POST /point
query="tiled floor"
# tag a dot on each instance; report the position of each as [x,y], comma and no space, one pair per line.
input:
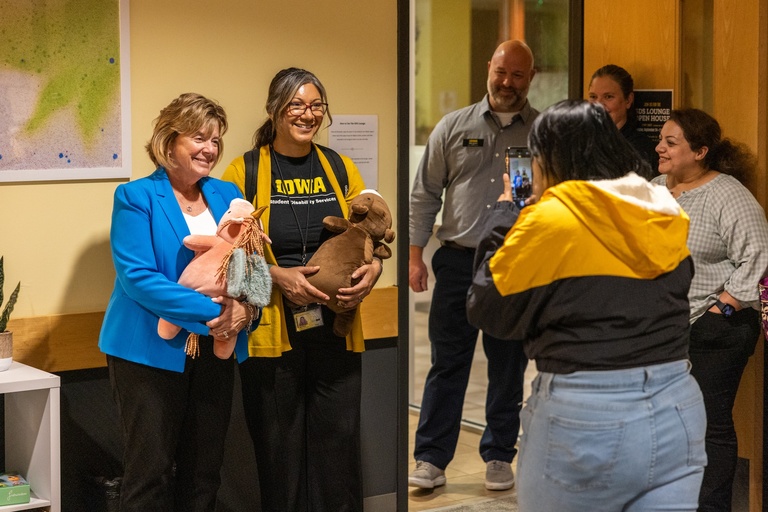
[465,476]
[466,473]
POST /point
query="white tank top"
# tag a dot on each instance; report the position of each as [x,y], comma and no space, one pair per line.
[202,224]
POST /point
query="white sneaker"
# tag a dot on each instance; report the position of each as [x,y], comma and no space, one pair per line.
[499,476]
[426,476]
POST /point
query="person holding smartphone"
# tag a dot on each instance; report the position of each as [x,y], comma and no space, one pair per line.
[593,280]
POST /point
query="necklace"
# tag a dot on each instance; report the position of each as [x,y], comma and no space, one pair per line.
[189,207]
[303,234]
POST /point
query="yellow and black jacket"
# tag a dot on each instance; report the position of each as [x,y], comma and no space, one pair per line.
[594,276]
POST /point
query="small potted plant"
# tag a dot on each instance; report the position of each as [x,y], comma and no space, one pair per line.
[6,337]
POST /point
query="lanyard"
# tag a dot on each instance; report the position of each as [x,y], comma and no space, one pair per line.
[303,234]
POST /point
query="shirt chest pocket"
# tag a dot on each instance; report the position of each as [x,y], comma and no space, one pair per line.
[471,158]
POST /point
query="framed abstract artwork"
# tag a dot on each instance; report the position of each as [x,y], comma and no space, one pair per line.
[64,90]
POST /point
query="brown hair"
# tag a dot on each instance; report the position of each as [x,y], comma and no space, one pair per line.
[723,155]
[622,77]
[186,115]
[282,89]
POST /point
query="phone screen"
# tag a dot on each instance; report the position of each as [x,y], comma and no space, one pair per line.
[520,173]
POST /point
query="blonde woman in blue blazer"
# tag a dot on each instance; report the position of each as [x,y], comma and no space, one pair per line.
[174,408]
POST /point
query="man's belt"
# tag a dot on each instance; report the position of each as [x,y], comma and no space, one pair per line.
[453,245]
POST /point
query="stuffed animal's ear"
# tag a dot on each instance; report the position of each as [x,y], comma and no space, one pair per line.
[336,224]
[359,209]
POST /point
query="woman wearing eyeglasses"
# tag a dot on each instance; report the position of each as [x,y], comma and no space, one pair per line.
[301,384]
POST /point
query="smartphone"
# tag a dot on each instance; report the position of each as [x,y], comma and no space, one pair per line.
[518,161]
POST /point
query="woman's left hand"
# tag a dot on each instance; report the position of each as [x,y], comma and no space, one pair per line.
[368,274]
[233,318]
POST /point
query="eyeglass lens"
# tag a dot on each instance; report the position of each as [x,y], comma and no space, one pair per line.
[298,109]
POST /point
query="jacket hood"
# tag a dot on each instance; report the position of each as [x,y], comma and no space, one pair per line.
[638,222]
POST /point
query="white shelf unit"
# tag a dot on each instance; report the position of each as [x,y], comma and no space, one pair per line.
[32,436]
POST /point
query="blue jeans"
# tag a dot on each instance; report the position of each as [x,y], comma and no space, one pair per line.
[453,342]
[621,440]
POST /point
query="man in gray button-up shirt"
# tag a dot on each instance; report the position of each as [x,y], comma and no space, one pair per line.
[465,160]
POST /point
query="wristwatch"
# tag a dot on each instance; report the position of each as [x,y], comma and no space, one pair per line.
[726,309]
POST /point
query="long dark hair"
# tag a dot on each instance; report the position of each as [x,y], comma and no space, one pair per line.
[578,140]
[282,89]
[622,77]
[724,155]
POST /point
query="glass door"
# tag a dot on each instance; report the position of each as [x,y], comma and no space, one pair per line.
[451,44]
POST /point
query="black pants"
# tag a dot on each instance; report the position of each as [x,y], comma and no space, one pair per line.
[453,342]
[172,418]
[303,413]
[719,350]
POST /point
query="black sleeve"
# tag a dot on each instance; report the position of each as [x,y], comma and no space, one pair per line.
[483,296]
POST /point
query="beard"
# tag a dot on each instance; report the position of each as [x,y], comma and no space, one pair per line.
[507,99]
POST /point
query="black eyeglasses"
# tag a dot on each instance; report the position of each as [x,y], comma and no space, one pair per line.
[297,108]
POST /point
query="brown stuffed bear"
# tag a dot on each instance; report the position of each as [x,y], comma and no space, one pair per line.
[359,240]
[230,263]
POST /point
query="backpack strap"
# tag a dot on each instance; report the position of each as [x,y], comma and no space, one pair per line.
[339,169]
[251,169]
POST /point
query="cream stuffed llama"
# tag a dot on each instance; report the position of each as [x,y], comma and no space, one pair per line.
[229,263]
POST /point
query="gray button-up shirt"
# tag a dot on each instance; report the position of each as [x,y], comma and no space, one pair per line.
[465,157]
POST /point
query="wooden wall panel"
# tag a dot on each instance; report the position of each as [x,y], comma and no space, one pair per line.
[761,183]
[735,69]
[642,36]
[59,343]
[696,54]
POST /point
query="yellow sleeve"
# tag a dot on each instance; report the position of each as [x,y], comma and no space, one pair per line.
[235,173]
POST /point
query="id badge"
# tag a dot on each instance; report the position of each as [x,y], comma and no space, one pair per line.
[308,317]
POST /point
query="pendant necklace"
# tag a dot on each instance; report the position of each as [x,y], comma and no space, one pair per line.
[187,207]
[303,234]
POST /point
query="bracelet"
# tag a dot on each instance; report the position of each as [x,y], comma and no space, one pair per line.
[251,315]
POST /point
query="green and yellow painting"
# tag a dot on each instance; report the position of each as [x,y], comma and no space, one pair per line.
[60,85]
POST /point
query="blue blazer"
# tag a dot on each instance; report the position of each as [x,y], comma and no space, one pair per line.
[148,229]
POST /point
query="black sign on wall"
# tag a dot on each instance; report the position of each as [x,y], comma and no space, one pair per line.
[653,108]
